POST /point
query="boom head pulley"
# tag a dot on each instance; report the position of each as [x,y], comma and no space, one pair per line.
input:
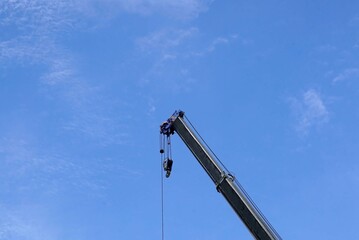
[166,127]
[166,130]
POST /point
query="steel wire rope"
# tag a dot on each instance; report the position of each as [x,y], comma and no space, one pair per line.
[162,147]
[205,143]
[169,149]
[256,208]
[235,180]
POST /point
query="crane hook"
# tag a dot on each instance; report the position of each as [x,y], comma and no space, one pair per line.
[167,166]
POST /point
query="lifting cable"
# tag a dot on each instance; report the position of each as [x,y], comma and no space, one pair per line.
[162,145]
[166,165]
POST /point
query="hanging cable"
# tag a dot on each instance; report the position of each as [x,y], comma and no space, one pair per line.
[162,143]
[168,162]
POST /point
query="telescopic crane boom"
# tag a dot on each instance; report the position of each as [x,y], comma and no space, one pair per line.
[224,181]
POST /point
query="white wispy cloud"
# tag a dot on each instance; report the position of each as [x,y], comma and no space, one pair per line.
[170,42]
[309,110]
[349,73]
[36,25]
[165,39]
[24,50]
[173,52]
[37,16]
[29,28]
[165,48]
[32,31]
[354,21]
[217,42]
[26,222]
[180,9]
[29,169]
[170,46]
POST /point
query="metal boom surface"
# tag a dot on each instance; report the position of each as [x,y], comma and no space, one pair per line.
[224,181]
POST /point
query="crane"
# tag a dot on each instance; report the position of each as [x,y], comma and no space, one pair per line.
[225,182]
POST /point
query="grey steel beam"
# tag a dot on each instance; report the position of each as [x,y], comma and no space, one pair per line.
[232,192]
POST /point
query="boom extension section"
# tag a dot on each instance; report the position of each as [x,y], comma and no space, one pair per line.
[224,181]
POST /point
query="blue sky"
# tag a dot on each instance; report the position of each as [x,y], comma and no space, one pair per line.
[271,86]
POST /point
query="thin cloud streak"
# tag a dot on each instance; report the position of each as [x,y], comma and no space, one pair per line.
[165,39]
[165,48]
[37,25]
[26,222]
[215,43]
[38,22]
[169,50]
[349,73]
[310,111]
[181,9]
[30,171]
